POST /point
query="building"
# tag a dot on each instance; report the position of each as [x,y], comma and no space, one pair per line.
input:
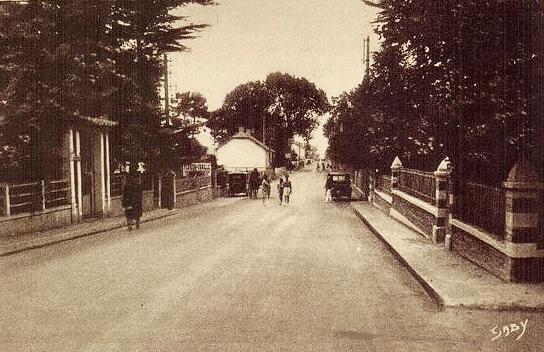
[244,152]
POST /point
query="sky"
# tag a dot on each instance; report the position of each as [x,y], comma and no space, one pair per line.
[320,40]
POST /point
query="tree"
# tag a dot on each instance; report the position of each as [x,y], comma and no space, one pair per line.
[190,105]
[459,78]
[283,104]
[61,61]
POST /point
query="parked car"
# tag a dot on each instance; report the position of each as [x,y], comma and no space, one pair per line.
[238,183]
[341,185]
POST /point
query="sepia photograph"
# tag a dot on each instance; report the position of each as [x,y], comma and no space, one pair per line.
[271,175]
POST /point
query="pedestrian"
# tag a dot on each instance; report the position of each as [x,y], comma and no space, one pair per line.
[254,183]
[265,188]
[328,189]
[280,190]
[287,189]
[132,200]
[317,168]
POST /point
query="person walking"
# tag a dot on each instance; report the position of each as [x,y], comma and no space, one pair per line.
[132,200]
[253,183]
[287,189]
[265,188]
[280,190]
[328,189]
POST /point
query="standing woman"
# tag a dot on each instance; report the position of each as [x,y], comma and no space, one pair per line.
[265,186]
[132,200]
[287,189]
[328,189]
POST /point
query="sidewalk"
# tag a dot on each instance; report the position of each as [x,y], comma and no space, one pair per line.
[448,278]
[17,243]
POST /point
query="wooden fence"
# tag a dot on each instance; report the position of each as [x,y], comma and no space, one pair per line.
[34,196]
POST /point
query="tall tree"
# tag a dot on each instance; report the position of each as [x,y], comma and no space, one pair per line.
[283,104]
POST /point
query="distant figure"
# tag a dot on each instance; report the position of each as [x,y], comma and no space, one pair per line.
[317,168]
[328,189]
[254,183]
[280,190]
[132,200]
[265,186]
[287,189]
[322,166]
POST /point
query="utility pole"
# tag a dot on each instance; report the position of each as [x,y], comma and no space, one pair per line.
[264,128]
[166,93]
[367,55]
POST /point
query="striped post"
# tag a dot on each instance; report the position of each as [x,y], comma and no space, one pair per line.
[451,201]
[371,185]
[441,201]
[521,209]
[396,166]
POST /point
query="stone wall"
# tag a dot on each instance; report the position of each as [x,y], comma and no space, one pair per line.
[38,221]
[480,253]
[194,196]
[417,216]
[381,202]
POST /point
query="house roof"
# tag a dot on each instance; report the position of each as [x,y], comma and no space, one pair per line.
[244,135]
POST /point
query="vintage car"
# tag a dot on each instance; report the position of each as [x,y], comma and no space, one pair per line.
[340,185]
[237,183]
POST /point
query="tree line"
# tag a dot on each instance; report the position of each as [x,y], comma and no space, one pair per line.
[77,59]
[456,78]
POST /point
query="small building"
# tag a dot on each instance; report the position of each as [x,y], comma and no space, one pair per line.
[244,152]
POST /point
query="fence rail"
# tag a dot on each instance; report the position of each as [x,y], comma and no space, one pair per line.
[482,206]
[420,184]
[34,196]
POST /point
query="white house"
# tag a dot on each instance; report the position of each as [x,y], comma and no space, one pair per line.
[244,152]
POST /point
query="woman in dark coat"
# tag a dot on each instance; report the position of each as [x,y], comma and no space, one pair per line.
[132,201]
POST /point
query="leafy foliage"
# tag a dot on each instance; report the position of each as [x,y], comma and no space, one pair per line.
[283,104]
[64,60]
[461,78]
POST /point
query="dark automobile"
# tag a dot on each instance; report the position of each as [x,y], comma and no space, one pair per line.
[237,183]
[340,185]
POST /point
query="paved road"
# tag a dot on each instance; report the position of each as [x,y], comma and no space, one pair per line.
[236,275]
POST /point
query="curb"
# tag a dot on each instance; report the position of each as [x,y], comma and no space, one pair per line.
[429,290]
[433,294]
[86,234]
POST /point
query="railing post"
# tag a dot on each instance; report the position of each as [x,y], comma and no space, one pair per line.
[371,185]
[7,205]
[43,194]
[396,167]
[451,205]
[521,218]
[441,201]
